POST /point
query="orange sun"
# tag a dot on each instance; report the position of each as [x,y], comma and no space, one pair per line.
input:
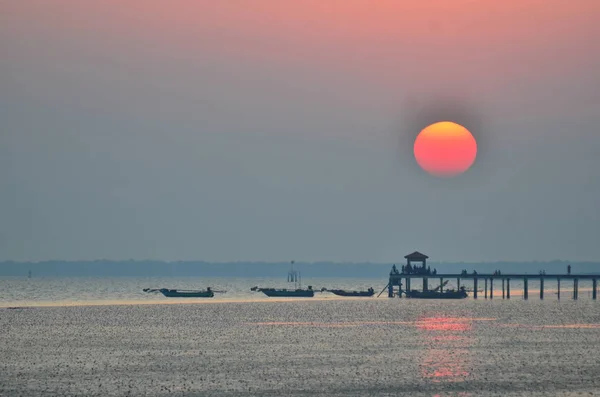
[445,149]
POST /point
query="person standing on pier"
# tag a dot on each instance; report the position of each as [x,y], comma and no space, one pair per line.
[569,269]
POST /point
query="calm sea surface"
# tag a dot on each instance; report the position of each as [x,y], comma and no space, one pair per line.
[92,336]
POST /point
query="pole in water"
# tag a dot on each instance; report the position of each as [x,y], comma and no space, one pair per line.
[485,292]
[391,291]
[558,282]
[508,288]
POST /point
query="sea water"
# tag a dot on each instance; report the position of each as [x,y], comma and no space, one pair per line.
[53,342]
[52,291]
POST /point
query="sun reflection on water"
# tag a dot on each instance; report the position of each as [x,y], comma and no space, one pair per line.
[446,343]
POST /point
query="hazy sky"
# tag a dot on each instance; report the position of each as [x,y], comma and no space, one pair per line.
[276,130]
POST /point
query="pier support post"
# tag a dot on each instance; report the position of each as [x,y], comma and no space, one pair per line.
[558,283]
[458,283]
[508,288]
[525,288]
[594,288]
[485,290]
[492,288]
[541,288]
[575,288]
[425,284]
[475,288]
[390,289]
[503,292]
[441,284]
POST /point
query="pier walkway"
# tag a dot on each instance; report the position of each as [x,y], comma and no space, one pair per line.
[409,272]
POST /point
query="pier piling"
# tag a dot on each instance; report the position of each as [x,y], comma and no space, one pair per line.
[575,288]
[475,288]
[485,290]
[525,288]
[503,290]
[541,288]
[594,288]
[508,288]
[558,282]
[491,288]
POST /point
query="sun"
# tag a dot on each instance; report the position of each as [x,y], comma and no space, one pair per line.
[445,149]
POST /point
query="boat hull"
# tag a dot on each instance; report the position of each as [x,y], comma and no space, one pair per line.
[340,292]
[173,293]
[436,295]
[299,293]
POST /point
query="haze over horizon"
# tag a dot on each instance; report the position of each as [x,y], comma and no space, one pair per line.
[269,131]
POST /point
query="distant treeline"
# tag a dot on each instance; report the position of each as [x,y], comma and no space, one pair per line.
[150,268]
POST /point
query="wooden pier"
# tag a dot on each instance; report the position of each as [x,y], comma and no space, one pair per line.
[400,281]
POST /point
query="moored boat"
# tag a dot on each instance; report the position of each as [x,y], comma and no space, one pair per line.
[341,292]
[283,292]
[449,294]
[297,291]
[174,293]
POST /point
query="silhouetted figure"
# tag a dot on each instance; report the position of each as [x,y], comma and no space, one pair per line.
[403,269]
[569,269]
[434,271]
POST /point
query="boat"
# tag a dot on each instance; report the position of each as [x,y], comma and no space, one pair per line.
[183,292]
[341,292]
[283,292]
[180,293]
[297,291]
[435,294]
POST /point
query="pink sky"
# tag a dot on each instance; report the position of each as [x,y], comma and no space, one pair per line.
[311,109]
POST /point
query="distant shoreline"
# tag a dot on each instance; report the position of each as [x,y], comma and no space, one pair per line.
[150,268]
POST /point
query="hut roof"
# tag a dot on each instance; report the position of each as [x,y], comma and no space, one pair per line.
[416,256]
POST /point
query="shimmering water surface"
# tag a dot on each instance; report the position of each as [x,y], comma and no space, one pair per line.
[246,345]
[20,291]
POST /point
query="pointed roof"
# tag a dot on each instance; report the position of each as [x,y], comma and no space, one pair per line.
[416,256]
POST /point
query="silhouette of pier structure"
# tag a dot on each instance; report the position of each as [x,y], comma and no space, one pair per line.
[416,268]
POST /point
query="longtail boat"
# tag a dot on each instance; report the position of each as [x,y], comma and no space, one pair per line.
[283,292]
[297,291]
[179,293]
[449,294]
[341,292]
